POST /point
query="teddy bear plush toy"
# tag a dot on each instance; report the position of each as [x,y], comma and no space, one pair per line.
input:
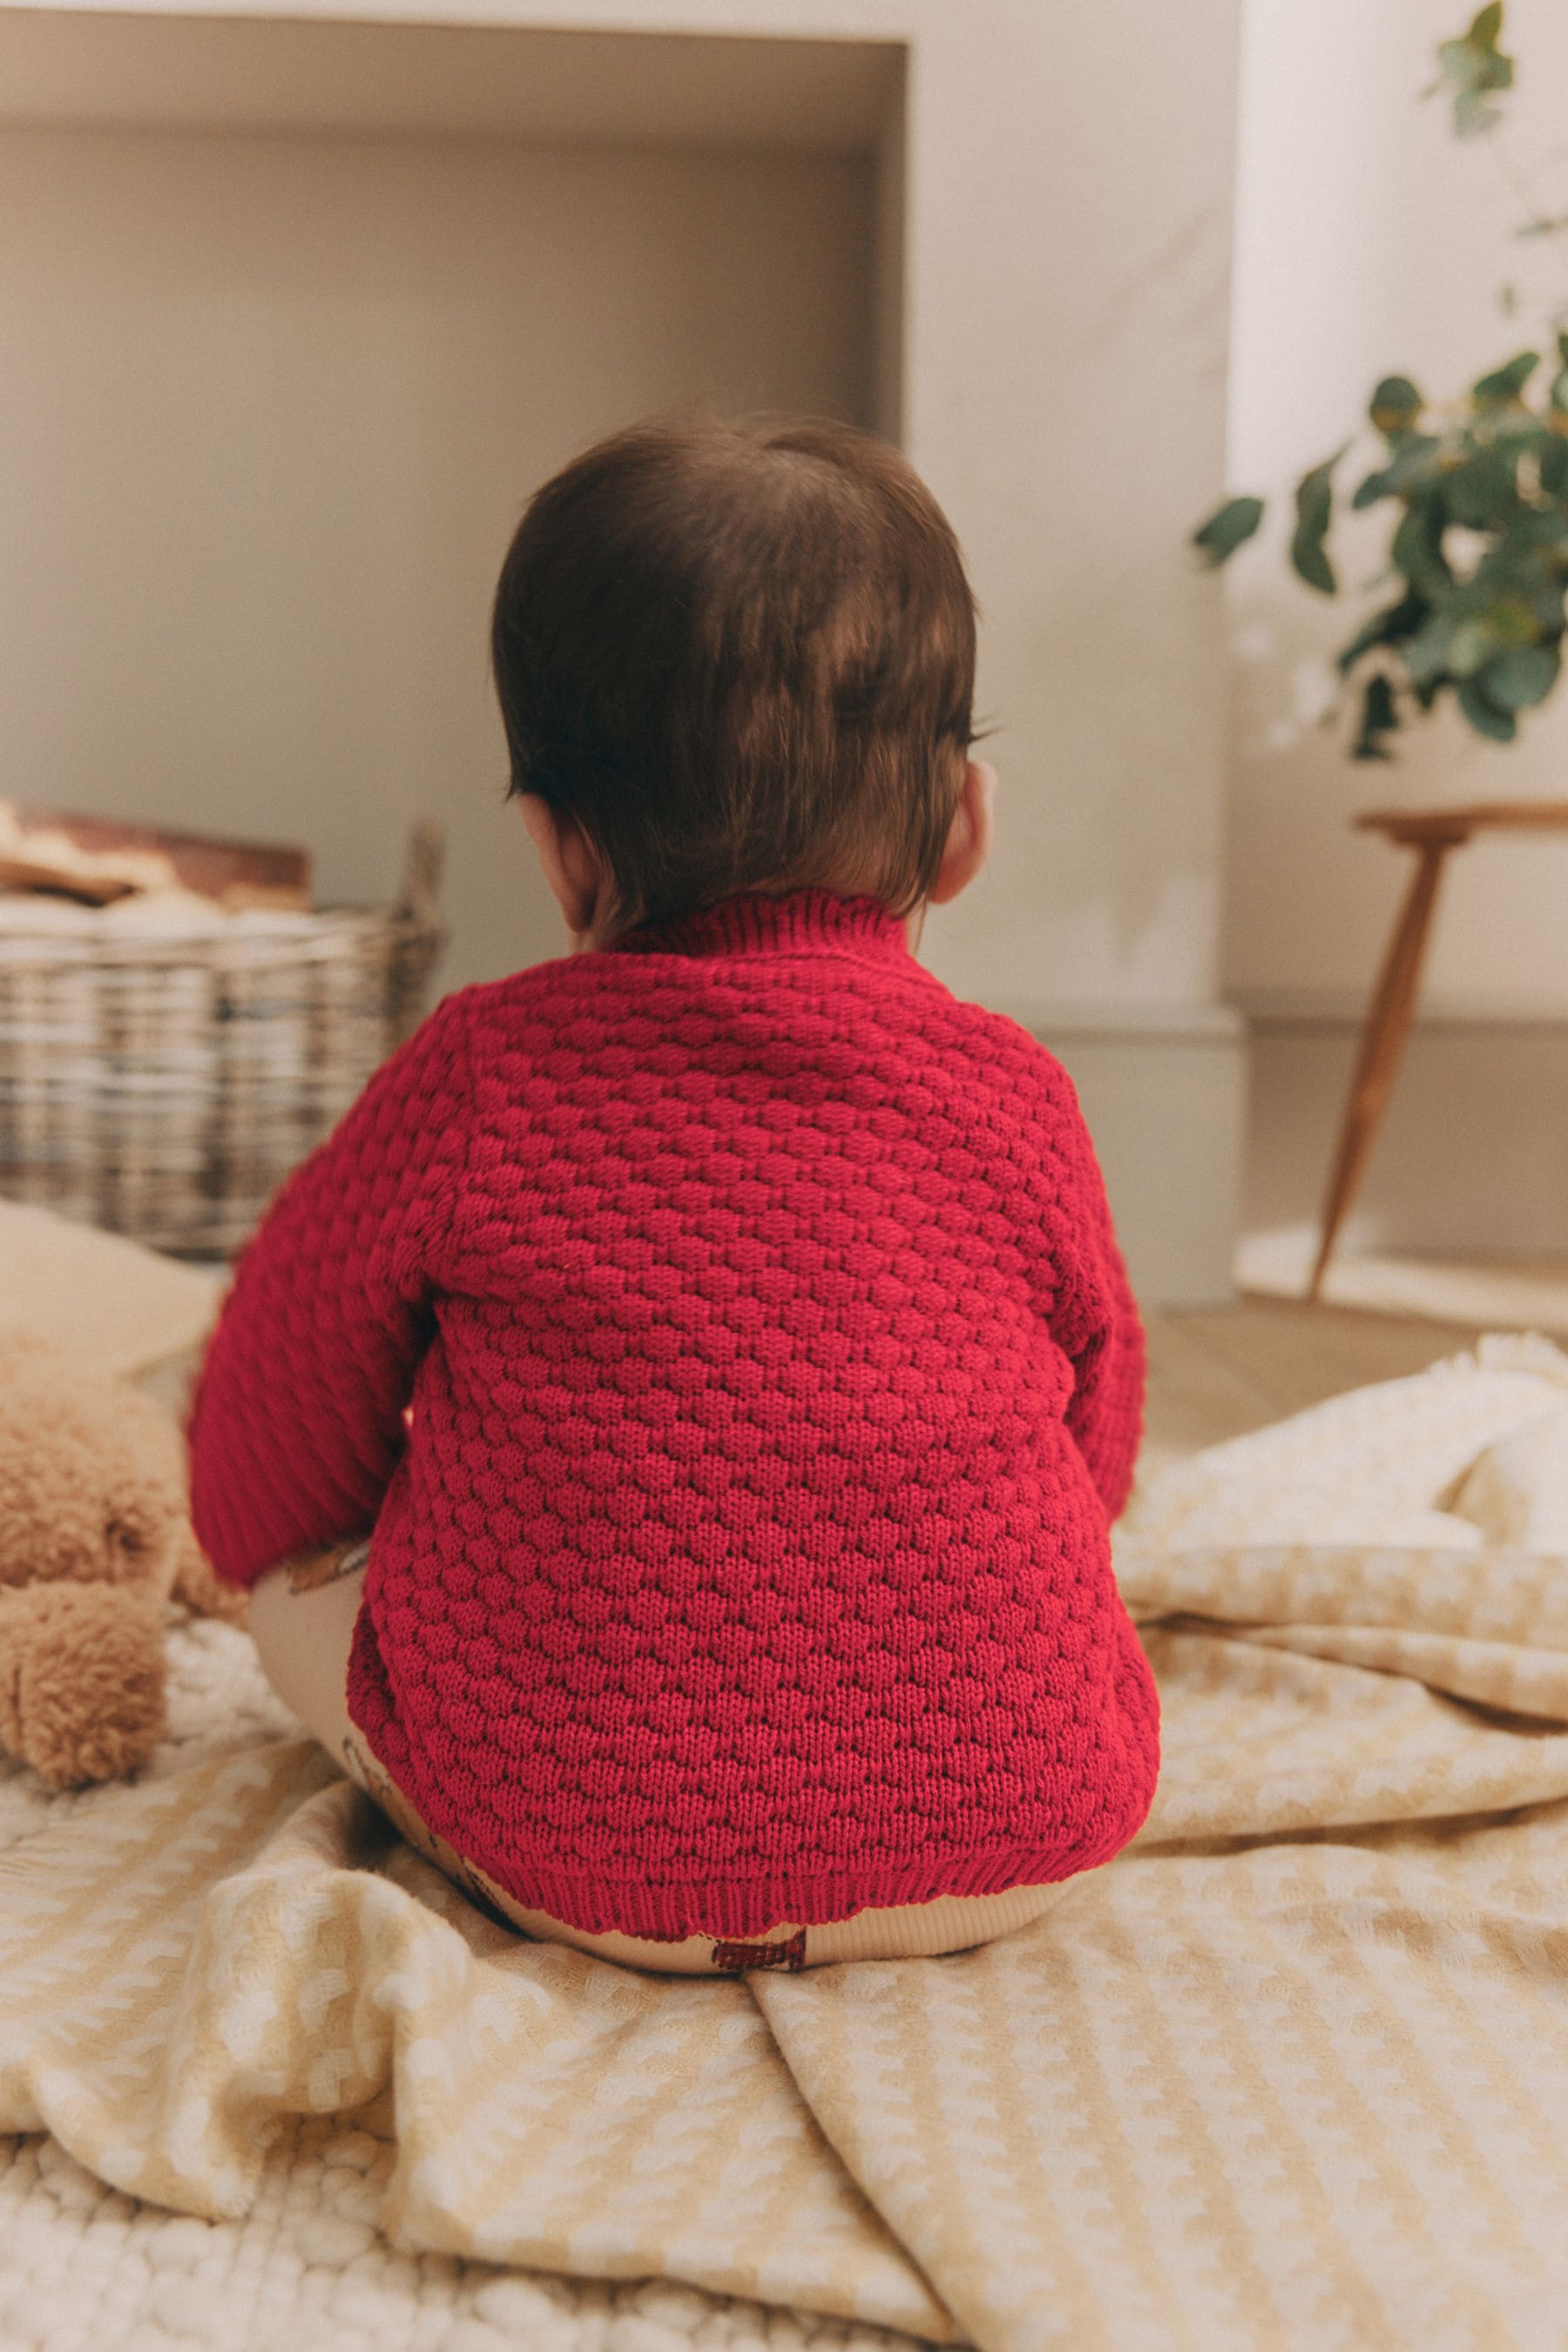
[95,1539]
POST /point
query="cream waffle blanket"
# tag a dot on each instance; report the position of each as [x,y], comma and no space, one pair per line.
[1292,2073]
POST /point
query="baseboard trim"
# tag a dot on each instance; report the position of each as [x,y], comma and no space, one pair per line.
[1336,1010]
[1471,1157]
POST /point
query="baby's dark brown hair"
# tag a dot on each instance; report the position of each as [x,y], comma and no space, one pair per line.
[741,658]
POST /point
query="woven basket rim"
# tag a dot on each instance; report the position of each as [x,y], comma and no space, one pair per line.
[177,951]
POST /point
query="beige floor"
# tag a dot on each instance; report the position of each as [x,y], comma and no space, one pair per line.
[1215,1373]
[1490,1293]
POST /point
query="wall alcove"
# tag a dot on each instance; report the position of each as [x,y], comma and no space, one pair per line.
[297,313]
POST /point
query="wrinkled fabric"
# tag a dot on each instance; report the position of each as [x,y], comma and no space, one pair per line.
[1290,2073]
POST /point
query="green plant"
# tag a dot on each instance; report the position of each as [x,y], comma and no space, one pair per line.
[1477,554]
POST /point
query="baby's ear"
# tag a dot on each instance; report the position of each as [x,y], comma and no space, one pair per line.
[572,867]
[969,836]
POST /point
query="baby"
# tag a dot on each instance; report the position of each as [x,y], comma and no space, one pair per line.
[719,1328]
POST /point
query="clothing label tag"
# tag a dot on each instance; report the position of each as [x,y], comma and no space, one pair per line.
[790,1955]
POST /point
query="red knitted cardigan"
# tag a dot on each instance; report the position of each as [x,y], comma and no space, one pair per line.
[774,1375]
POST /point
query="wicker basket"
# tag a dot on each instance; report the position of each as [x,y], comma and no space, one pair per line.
[163,1082]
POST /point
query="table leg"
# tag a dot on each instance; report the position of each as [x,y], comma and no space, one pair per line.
[1383,1040]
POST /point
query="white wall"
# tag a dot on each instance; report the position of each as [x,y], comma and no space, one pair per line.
[1069,232]
[269,409]
[1059,332]
[1369,241]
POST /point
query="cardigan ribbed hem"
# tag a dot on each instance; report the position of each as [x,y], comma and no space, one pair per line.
[760,923]
[744,1907]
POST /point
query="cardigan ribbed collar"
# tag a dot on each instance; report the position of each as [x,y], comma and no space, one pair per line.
[759,922]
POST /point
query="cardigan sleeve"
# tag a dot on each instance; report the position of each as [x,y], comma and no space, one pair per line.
[1094,1316]
[296,1425]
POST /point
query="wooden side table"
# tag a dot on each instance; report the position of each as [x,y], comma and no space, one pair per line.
[1431,834]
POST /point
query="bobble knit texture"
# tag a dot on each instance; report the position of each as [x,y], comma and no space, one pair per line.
[774,1376]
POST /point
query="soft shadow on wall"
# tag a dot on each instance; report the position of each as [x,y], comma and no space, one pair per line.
[274,404]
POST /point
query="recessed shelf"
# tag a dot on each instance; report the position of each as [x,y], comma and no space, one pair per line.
[297,314]
[166,71]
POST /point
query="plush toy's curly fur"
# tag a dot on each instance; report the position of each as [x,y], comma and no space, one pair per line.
[95,1538]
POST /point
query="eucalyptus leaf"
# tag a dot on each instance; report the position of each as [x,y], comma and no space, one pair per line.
[1394,404]
[1485,716]
[1379,720]
[1527,551]
[1505,383]
[1417,458]
[1417,547]
[1314,512]
[1512,425]
[1426,653]
[1227,527]
[1513,621]
[1471,68]
[1482,492]
[1311,564]
[1471,645]
[1393,625]
[1522,676]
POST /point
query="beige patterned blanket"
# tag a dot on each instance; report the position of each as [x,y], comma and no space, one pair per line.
[1292,2073]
